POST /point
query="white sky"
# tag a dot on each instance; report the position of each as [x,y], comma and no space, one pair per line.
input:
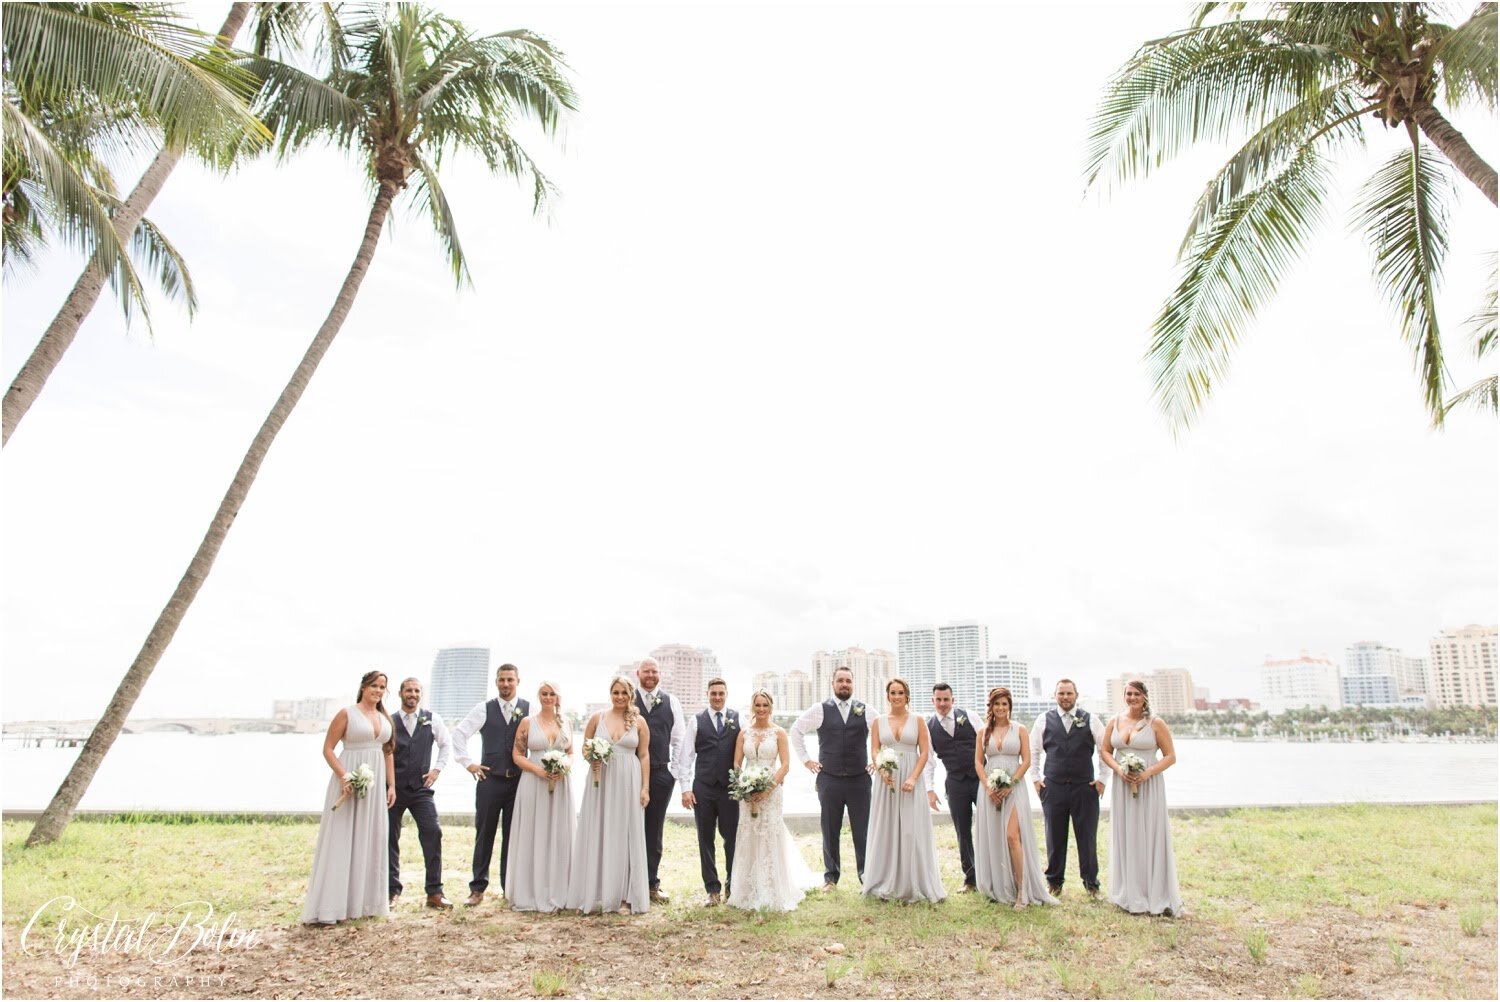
[822,340]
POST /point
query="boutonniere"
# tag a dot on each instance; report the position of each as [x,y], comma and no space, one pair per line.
[729,723]
[424,723]
[962,720]
[515,715]
[655,700]
[859,709]
[1077,717]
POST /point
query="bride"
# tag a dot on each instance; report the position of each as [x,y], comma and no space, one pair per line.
[769,873]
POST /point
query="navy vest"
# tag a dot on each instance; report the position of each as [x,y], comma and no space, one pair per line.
[715,751]
[843,747]
[957,752]
[499,737]
[1070,753]
[413,754]
[660,720]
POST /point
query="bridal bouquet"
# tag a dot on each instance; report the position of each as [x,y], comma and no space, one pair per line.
[597,750]
[998,780]
[359,782]
[746,782]
[555,764]
[1131,763]
[887,761]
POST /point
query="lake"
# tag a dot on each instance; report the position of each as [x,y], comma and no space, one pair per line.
[285,772]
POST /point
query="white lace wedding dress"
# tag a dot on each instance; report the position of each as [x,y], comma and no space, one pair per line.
[769,873]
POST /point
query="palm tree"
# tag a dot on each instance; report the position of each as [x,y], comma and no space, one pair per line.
[1483,394]
[278,27]
[85,82]
[1302,81]
[413,87]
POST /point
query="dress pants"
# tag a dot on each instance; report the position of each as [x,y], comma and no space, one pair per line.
[715,809]
[963,795]
[1077,803]
[494,803]
[835,794]
[656,819]
[424,813]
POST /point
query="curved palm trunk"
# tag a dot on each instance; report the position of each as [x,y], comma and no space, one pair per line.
[65,801]
[59,335]
[1455,147]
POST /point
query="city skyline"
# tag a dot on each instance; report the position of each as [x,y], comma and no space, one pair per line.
[770,397]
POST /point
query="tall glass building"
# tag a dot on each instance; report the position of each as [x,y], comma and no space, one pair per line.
[460,681]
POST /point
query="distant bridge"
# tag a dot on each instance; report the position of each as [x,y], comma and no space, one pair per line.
[68,733]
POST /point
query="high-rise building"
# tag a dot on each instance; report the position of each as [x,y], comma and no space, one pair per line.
[1377,675]
[770,681]
[1461,667]
[1170,691]
[1299,683]
[685,671]
[797,692]
[460,682]
[929,654]
[872,670]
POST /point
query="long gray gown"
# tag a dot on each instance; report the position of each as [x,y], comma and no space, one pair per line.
[900,856]
[609,853]
[1142,868]
[993,873]
[351,863]
[541,832]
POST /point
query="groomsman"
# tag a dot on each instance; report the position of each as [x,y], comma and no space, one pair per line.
[704,761]
[417,731]
[663,715]
[495,797]
[843,770]
[1070,780]
[953,740]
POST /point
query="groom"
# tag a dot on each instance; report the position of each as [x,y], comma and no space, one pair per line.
[842,768]
[1070,781]
[704,761]
[496,720]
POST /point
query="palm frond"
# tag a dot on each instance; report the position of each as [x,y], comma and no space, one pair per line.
[1232,269]
[1403,210]
[299,108]
[154,254]
[1467,57]
[428,196]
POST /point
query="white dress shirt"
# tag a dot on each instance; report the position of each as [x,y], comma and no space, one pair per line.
[470,725]
[1096,729]
[811,721]
[687,749]
[440,736]
[679,723]
[929,774]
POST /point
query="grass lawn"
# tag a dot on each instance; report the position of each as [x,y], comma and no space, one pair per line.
[1364,901]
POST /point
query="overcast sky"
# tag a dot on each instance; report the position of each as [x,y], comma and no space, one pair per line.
[821,340]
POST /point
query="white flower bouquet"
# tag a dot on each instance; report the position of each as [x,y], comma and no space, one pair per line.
[597,750]
[998,780]
[887,761]
[360,781]
[1132,764]
[746,782]
[555,764]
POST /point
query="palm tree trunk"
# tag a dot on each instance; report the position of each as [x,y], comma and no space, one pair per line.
[58,337]
[1455,147]
[65,801]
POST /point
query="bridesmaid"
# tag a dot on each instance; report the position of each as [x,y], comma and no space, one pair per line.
[1142,869]
[351,862]
[900,856]
[1005,860]
[609,853]
[542,830]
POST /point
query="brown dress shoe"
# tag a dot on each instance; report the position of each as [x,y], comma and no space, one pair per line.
[713,899]
[474,899]
[660,896]
[829,886]
[394,899]
[438,901]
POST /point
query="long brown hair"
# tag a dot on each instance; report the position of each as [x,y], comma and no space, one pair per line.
[998,693]
[898,680]
[359,697]
[1136,683]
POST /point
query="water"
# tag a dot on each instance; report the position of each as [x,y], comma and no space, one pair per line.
[285,772]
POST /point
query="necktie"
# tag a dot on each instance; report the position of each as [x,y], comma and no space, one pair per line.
[948,725]
[411,726]
[719,721]
[844,710]
[1067,722]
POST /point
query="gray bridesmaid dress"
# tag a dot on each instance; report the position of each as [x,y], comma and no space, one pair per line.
[609,853]
[992,867]
[541,832]
[351,863]
[1142,868]
[900,856]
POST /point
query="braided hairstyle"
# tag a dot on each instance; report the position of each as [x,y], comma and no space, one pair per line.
[1140,687]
